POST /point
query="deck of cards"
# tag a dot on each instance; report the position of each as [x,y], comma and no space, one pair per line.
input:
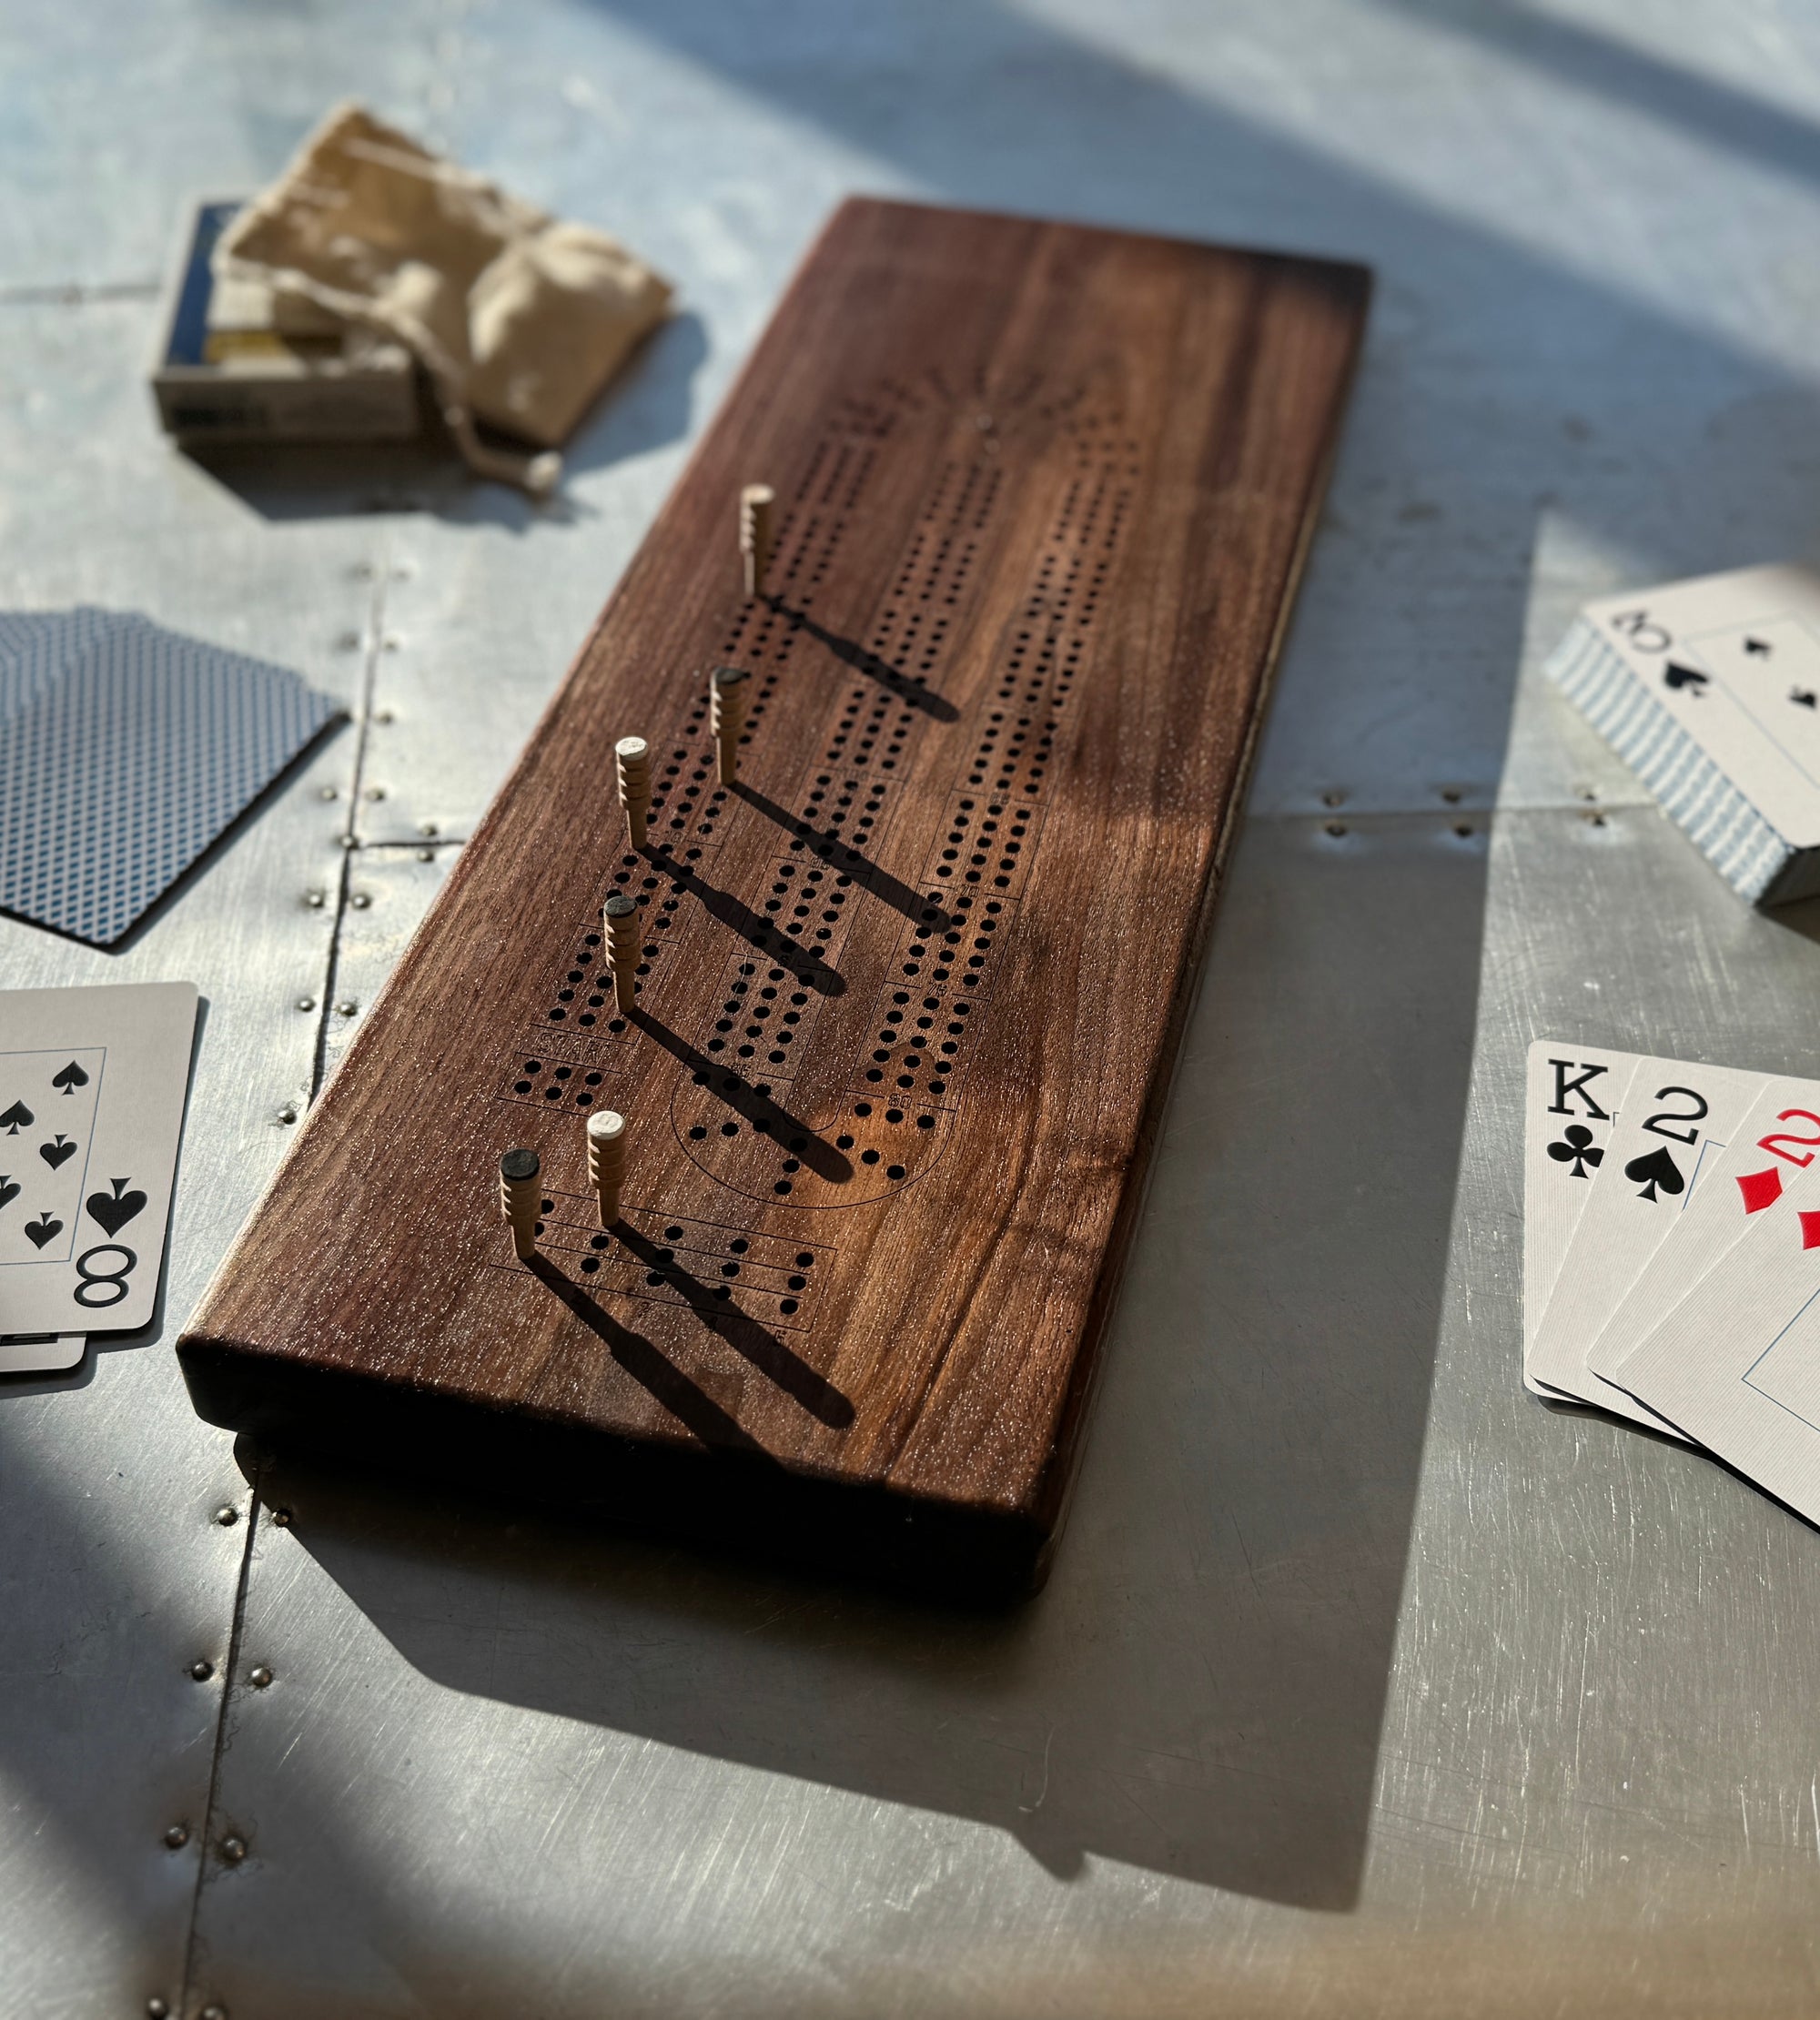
[125,751]
[1710,690]
[92,1090]
[1672,1254]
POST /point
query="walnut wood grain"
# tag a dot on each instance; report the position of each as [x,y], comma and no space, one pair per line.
[911,987]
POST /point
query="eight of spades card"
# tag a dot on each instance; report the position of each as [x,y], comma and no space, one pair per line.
[1766,1175]
[1569,1104]
[92,1090]
[1673,1121]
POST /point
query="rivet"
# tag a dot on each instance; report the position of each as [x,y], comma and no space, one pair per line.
[385,715]
[315,900]
[392,641]
[426,855]
[177,1836]
[259,1678]
[1463,830]
[376,793]
[200,1672]
[359,900]
[213,2013]
[233,1849]
[329,793]
[287,1114]
[1333,799]
[281,1515]
[348,840]
[363,572]
[157,2008]
[1336,827]
[346,1007]
[305,1002]
[427,827]
[226,1516]
[1595,820]
[349,641]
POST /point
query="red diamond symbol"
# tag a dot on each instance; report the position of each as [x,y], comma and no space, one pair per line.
[1810,1230]
[1761,1189]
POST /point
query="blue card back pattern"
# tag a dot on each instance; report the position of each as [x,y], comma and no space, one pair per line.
[118,771]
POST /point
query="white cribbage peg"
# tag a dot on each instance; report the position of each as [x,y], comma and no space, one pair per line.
[726,717]
[521,1199]
[621,914]
[607,1134]
[756,502]
[634,754]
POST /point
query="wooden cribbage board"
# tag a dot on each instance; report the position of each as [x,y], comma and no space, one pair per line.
[911,990]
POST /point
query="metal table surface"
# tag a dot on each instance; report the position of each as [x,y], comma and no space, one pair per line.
[1365,1685]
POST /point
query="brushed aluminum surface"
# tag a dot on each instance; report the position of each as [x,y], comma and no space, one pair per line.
[1365,1685]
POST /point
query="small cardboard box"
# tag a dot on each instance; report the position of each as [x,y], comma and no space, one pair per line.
[240,364]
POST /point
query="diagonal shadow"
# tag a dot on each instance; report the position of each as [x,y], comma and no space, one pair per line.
[754,1100]
[1742,123]
[654,1371]
[771,1356]
[909,687]
[833,850]
[753,927]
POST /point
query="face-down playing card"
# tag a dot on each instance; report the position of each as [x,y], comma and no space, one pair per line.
[116,773]
[92,1090]
[1673,1121]
[1766,1175]
[1569,1104]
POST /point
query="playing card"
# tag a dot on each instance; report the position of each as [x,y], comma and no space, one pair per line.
[118,772]
[1570,1103]
[1673,1119]
[36,645]
[1736,1363]
[41,1353]
[1710,690]
[1767,1173]
[92,1090]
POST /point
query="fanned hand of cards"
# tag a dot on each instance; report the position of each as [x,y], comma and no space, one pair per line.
[92,1090]
[1672,1254]
[125,751]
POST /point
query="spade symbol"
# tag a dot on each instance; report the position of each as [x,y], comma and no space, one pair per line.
[9,1187]
[1760,646]
[115,1213]
[1803,697]
[1655,1171]
[18,1117]
[57,1153]
[1576,1148]
[1678,675]
[70,1078]
[43,1229]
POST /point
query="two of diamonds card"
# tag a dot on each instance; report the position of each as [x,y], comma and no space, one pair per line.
[1710,690]
[1672,1253]
[92,1090]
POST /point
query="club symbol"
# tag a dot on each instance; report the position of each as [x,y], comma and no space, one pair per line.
[43,1229]
[1656,1172]
[57,1153]
[17,1117]
[1761,1189]
[1759,647]
[9,1187]
[70,1078]
[1577,1148]
[1803,697]
[113,1214]
[1677,675]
